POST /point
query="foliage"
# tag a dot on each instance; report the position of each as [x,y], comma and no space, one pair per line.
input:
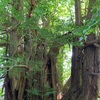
[51,19]
[64,63]
[1,94]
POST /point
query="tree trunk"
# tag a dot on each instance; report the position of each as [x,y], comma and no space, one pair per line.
[85,65]
[85,74]
[37,81]
[35,78]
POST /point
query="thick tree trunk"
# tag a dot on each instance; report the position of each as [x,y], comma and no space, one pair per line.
[85,65]
[36,77]
[85,72]
[35,80]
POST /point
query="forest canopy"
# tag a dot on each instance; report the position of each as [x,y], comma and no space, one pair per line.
[49,48]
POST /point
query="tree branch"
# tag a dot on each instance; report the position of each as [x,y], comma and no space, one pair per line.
[3,76]
[15,66]
[33,4]
[4,44]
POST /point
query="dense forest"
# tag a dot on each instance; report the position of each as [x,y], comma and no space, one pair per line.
[49,49]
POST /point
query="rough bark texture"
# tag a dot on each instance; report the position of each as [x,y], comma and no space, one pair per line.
[36,77]
[85,65]
[85,72]
[38,82]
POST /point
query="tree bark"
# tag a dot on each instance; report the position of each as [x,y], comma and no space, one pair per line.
[37,79]
[85,66]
